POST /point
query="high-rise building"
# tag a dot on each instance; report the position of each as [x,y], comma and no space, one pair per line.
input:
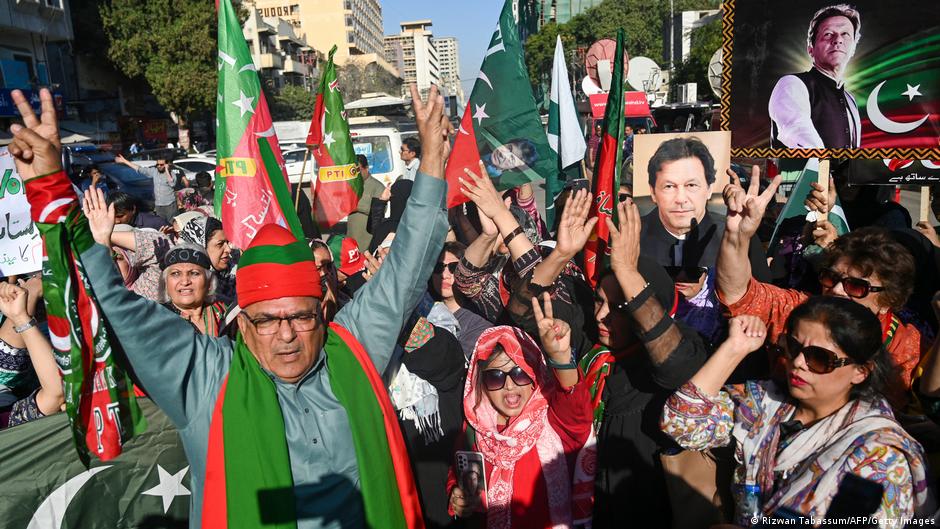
[280,55]
[413,52]
[355,26]
[448,61]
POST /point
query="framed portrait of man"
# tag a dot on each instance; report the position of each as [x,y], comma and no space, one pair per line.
[857,79]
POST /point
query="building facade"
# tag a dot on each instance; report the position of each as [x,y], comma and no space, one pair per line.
[33,33]
[448,60]
[354,26]
[281,56]
[412,51]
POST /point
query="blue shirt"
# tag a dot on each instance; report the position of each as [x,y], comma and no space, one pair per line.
[182,370]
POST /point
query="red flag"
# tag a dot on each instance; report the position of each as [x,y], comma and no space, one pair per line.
[607,172]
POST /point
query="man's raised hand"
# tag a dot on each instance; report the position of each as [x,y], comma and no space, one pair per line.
[36,147]
[433,130]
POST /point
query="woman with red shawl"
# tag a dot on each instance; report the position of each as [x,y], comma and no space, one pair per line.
[528,424]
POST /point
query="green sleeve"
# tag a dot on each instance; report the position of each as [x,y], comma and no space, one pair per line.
[379,309]
[180,368]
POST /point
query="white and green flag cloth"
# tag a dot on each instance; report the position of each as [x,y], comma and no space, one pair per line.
[565,136]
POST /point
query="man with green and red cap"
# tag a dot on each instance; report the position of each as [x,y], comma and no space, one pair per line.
[289,425]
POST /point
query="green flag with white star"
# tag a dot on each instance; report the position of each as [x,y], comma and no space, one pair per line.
[251,187]
[501,126]
[147,485]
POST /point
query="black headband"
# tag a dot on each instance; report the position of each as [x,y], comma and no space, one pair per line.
[185,254]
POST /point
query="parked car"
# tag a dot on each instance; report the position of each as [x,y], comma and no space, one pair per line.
[122,178]
[157,154]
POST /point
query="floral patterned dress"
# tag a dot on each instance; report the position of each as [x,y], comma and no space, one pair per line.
[802,471]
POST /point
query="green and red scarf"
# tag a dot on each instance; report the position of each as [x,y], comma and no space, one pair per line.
[101,407]
[248,449]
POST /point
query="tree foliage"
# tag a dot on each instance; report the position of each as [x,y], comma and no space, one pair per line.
[643,21]
[294,103]
[169,43]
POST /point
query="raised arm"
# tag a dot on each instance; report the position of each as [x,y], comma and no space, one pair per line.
[745,211]
[377,313]
[124,161]
[178,366]
[479,188]
[13,303]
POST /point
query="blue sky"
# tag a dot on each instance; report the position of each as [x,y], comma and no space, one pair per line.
[471,22]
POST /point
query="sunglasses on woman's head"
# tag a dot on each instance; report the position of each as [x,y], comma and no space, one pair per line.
[495,379]
[854,287]
[819,360]
[439,267]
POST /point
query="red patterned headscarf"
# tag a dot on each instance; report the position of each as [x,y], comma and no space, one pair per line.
[530,429]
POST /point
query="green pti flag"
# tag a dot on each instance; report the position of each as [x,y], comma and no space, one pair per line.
[148,485]
[564,132]
[339,184]
[251,188]
[501,125]
[795,206]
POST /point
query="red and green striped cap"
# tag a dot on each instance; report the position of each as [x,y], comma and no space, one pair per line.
[276,265]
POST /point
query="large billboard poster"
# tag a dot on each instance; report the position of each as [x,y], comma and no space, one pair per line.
[858,80]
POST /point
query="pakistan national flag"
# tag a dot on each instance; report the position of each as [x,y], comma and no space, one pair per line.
[501,125]
[251,189]
[564,132]
[339,184]
[42,486]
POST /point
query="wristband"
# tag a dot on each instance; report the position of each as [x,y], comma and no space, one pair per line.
[555,365]
[25,327]
[627,307]
[512,235]
[661,327]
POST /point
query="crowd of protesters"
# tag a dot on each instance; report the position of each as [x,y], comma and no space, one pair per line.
[767,379]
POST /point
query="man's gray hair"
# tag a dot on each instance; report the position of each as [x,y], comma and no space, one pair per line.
[838,10]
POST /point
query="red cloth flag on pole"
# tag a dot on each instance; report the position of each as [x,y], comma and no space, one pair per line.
[251,188]
[607,172]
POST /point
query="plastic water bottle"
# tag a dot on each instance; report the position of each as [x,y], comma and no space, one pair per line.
[751,504]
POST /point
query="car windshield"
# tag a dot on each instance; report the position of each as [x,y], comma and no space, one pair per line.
[123,173]
[377,150]
[294,156]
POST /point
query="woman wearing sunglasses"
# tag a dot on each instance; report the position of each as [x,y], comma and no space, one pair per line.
[867,266]
[795,441]
[528,423]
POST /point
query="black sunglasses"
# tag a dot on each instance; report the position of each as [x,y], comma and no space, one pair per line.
[819,360]
[439,267]
[622,197]
[686,274]
[495,379]
[854,287]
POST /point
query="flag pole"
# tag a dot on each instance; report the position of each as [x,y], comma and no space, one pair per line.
[925,204]
[823,181]
[300,184]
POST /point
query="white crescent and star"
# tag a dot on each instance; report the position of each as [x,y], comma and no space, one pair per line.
[169,488]
[882,122]
[480,113]
[244,103]
[51,511]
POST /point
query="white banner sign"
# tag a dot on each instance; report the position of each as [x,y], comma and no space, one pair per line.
[20,242]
